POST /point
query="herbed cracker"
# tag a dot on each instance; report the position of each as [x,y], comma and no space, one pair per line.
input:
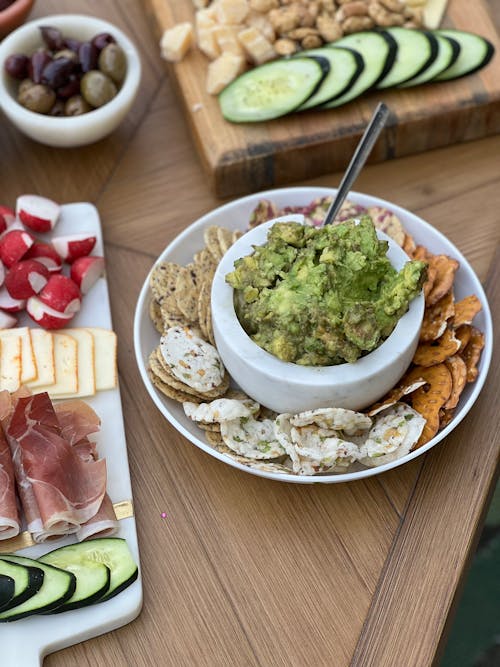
[211,239]
[205,262]
[204,305]
[214,438]
[225,238]
[163,278]
[167,377]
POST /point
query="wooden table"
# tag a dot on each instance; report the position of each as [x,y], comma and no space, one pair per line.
[244,571]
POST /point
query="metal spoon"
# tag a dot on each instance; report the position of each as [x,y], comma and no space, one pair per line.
[358,160]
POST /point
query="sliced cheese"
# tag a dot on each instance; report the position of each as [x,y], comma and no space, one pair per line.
[43,348]
[28,363]
[66,365]
[10,363]
[105,346]
[85,362]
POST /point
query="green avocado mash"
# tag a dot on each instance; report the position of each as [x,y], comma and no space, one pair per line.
[322,296]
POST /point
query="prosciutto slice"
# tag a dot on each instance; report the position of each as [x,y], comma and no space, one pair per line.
[59,491]
[10,523]
[77,420]
[103,524]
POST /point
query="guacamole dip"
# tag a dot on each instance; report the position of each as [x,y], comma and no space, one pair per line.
[322,296]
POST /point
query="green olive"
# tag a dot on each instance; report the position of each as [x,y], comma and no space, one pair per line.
[76,105]
[37,98]
[112,61]
[97,88]
[24,85]
[66,53]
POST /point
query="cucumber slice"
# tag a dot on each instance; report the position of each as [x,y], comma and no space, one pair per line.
[345,67]
[448,52]
[56,588]
[475,53]
[7,586]
[27,581]
[92,578]
[417,50]
[272,90]
[378,51]
[110,551]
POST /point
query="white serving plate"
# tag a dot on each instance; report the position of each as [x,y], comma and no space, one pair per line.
[235,215]
[24,643]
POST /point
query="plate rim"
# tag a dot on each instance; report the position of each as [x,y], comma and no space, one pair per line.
[314,192]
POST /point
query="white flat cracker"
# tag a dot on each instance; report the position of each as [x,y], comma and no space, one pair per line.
[393,434]
[337,419]
[220,410]
[191,359]
[251,438]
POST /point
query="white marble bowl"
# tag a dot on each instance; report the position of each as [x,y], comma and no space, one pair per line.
[76,130]
[288,387]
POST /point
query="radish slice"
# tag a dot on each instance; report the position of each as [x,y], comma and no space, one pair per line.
[7,321]
[26,279]
[47,317]
[85,272]
[46,254]
[9,304]
[61,294]
[14,245]
[71,247]
[2,273]
[7,216]
[38,213]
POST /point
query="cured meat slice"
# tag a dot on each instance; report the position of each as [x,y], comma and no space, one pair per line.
[8,402]
[61,491]
[103,524]
[9,516]
[77,420]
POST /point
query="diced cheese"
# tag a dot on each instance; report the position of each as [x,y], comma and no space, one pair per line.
[43,348]
[205,36]
[28,363]
[176,42]
[263,25]
[106,373]
[227,38]
[10,363]
[200,4]
[231,11]
[222,71]
[258,48]
[66,367]
[85,362]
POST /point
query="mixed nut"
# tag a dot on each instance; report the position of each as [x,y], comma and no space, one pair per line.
[68,77]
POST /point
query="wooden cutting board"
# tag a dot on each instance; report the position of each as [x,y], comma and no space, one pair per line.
[250,157]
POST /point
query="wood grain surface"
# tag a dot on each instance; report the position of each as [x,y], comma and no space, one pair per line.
[241,158]
[244,571]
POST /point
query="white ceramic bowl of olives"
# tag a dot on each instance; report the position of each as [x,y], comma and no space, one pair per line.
[68,80]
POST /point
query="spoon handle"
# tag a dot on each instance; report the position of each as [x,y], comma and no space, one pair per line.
[358,160]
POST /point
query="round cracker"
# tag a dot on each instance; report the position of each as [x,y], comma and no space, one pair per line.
[214,438]
[163,278]
[169,391]
[225,238]
[211,239]
[155,315]
[186,294]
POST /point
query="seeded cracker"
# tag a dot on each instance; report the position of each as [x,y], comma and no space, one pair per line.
[162,373]
[169,391]
[186,294]
[225,238]
[155,315]
[206,263]
[212,242]
[204,305]
[163,279]
[214,438]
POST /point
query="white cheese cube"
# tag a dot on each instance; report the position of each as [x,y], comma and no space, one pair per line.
[176,42]
[231,11]
[259,50]
[222,71]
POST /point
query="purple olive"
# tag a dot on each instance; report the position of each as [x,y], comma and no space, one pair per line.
[103,39]
[71,88]
[17,65]
[52,37]
[57,72]
[39,61]
[72,44]
[87,54]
